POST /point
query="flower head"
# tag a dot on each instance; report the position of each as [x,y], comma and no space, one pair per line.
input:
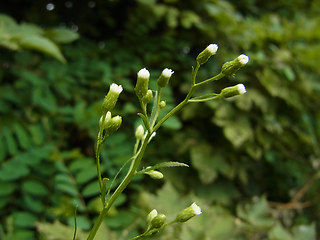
[116,88]
[241,89]
[230,68]
[204,56]
[212,48]
[164,77]
[111,98]
[188,213]
[196,209]
[238,89]
[143,73]
[142,84]
[243,59]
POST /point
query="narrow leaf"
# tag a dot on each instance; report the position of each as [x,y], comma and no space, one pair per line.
[42,44]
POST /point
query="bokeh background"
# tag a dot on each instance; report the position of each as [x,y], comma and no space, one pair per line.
[254,160]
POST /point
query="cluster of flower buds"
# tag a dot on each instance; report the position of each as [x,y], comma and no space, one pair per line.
[107,123]
[155,220]
[110,124]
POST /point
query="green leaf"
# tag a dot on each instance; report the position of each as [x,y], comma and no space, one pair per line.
[33,204]
[305,232]
[256,213]
[238,132]
[43,45]
[20,234]
[9,171]
[91,189]
[24,219]
[173,123]
[59,231]
[279,233]
[165,165]
[85,175]
[11,143]
[22,136]
[120,220]
[3,149]
[37,133]
[34,187]
[61,35]
[6,188]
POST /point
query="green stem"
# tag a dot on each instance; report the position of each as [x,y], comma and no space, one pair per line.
[215,78]
[204,99]
[120,188]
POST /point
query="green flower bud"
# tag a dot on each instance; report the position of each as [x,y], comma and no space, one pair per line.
[239,89]
[142,84]
[204,56]
[139,132]
[112,125]
[104,118]
[164,77]
[148,97]
[111,98]
[162,104]
[151,216]
[188,213]
[158,221]
[155,174]
[230,68]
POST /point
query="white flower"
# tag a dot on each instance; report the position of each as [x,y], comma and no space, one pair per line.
[243,59]
[196,209]
[241,89]
[116,88]
[167,73]
[143,73]
[212,48]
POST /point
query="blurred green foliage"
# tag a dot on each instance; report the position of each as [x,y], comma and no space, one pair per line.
[254,160]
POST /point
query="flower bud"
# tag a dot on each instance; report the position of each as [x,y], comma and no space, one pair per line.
[111,98]
[164,77]
[112,125]
[239,89]
[230,68]
[188,213]
[103,119]
[155,174]
[158,221]
[204,56]
[162,104]
[139,132]
[151,216]
[141,88]
[148,97]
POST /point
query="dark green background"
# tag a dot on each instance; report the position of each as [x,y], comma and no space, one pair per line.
[254,160]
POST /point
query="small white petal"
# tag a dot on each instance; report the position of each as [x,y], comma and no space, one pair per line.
[143,73]
[196,209]
[116,88]
[167,72]
[241,89]
[244,59]
[212,48]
